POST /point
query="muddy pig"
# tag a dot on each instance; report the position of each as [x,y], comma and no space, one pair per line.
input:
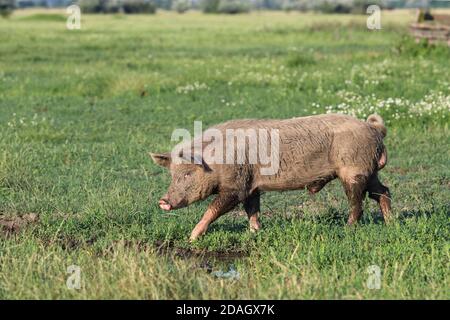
[307,152]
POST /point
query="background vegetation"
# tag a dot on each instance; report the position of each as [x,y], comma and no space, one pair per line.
[228,6]
[80,109]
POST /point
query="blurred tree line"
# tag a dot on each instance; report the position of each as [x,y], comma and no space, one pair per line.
[6,7]
[117,6]
[220,6]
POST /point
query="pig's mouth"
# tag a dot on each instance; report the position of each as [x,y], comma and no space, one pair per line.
[163,204]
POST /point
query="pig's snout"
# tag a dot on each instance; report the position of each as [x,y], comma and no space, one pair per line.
[164,204]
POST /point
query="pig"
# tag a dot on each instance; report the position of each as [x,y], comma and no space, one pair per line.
[312,151]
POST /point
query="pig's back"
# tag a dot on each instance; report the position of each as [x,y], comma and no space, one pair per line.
[312,148]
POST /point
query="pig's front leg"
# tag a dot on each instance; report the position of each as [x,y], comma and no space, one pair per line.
[223,203]
[252,208]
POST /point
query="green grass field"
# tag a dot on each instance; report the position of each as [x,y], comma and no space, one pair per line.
[80,109]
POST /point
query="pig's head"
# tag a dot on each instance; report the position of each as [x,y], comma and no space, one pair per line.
[191,182]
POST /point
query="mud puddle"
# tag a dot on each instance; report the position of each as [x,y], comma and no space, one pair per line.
[220,264]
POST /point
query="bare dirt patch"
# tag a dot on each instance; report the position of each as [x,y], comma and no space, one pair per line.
[13,225]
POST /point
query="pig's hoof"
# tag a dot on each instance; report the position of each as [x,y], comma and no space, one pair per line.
[255,227]
[196,233]
[352,222]
[193,237]
[388,220]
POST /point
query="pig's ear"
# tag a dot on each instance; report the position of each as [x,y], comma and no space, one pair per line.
[162,159]
[195,159]
[199,161]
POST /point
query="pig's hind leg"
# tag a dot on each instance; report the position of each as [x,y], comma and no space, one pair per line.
[223,203]
[355,186]
[381,194]
[252,208]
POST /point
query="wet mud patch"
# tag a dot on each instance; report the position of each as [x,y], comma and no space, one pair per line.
[168,248]
[11,225]
[220,264]
[163,248]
